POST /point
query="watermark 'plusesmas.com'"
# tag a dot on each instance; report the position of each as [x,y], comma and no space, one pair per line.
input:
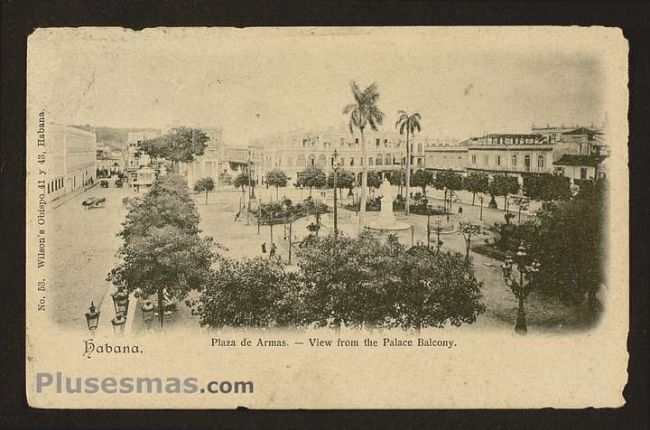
[59,383]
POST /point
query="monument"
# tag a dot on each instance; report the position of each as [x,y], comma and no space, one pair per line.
[386,220]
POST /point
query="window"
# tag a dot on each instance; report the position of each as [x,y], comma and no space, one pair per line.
[583,173]
[514,161]
[387,162]
[498,160]
[377,142]
[370,161]
[527,163]
[352,161]
[473,159]
[419,148]
[356,140]
[380,161]
[486,159]
[540,161]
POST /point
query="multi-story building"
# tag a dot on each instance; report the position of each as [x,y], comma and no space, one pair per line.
[292,152]
[575,152]
[510,153]
[449,155]
[71,159]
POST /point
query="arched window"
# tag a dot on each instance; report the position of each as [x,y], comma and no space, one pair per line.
[312,160]
[321,160]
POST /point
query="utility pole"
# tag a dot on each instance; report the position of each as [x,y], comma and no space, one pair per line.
[335,165]
[428,230]
[290,238]
[249,189]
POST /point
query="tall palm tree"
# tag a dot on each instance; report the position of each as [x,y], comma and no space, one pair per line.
[410,124]
[364,112]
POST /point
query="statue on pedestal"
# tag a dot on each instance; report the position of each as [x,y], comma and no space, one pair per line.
[386,190]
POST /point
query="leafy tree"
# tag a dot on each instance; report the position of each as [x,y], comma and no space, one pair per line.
[396,177]
[452,181]
[468,230]
[570,245]
[374,179]
[276,178]
[345,281]
[344,180]
[502,185]
[421,178]
[204,184]
[448,179]
[166,262]
[409,124]
[242,181]
[183,144]
[546,187]
[250,293]
[312,177]
[168,203]
[476,182]
[364,112]
[434,289]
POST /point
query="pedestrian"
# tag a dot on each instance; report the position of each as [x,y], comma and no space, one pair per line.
[273,249]
[237,215]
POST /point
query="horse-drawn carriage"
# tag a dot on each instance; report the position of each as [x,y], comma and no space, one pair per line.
[94,202]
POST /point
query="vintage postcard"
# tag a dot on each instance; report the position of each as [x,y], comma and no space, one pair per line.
[331,217]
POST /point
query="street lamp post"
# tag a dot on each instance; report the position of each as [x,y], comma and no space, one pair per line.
[518,275]
[335,168]
[428,230]
[438,230]
[148,314]
[522,204]
[92,318]
[120,301]
[480,199]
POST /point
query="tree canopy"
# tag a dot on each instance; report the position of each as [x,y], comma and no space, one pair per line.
[168,203]
[242,180]
[546,186]
[183,144]
[276,178]
[448,179]
[204,185]
[344,179]
[422,178]
[254,292]
[476,182]
[312,177]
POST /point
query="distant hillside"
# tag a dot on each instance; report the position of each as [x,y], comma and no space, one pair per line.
[112,136]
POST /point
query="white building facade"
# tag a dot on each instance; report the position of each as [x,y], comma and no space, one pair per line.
[71,161]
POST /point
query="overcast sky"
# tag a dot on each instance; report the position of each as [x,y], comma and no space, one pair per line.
[253,82]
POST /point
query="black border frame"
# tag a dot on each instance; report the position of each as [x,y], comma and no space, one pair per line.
[20,18]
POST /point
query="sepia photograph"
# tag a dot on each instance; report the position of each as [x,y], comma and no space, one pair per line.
[334,195]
